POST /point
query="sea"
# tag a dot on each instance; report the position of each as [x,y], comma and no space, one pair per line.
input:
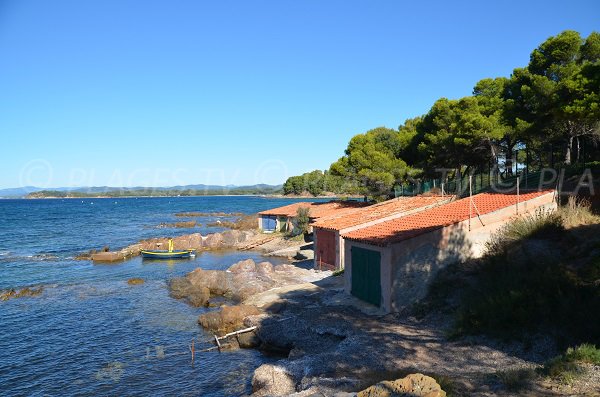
[90,333]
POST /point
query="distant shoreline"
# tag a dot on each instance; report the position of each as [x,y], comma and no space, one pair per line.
[280,196]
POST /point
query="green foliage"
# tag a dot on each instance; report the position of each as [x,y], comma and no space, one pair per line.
[520,287]
[302,219]
[548,109]
[566,367]
[373,161]
[316,183]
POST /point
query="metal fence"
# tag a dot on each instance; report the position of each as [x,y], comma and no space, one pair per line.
[480,182]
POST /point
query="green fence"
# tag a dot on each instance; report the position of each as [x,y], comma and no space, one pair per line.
[480,182]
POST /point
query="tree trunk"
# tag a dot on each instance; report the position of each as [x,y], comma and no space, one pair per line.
[578,152]
[568,152]
[508,163]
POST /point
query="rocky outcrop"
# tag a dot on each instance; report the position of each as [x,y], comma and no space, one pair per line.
[413,385]
[181,288]
[23,292]
[184,224]
[241,281]
[204,214]
[228,239]
[135,281]
[228,319]
[272,380]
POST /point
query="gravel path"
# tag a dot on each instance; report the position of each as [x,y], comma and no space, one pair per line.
[334,346]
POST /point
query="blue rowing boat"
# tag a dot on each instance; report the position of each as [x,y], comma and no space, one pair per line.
[165,254]
[171,253]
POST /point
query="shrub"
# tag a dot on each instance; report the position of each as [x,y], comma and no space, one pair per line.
[566,367]
[516,379]
[577,212]
[542,223]
[303,219]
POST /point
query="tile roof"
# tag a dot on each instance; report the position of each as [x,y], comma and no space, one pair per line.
[436,218]
[377,211]
[317,210]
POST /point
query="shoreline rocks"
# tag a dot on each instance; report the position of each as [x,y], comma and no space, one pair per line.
[229,239]
[20,293]
[135,281]
[417,385]
[228,319]
[239,282]
[184,224]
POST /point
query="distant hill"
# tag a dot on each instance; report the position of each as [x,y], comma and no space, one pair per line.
[95,191]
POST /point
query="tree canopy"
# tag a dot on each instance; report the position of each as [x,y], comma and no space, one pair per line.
[549,109]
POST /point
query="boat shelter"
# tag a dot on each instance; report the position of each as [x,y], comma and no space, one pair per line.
[283,219]
[328,243]
[392,263]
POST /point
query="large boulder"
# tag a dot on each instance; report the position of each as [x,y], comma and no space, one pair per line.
[413,385]
[248,340]
[218,282]
[265,269]
[228,319]
[213,241]
[247,265]
[272,380]
[231,237]
[181,288]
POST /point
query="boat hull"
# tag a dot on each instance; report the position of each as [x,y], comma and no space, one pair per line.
[162,254]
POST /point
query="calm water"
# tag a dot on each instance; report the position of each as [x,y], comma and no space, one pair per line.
[90,333]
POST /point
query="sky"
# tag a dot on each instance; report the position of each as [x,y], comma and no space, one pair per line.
[164,93]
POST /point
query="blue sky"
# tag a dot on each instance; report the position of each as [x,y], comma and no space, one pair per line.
[160,93]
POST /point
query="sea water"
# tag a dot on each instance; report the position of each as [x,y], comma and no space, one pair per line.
[90,332]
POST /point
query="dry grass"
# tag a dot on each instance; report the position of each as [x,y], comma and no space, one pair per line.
[577,212]
[542,223]
[516,380]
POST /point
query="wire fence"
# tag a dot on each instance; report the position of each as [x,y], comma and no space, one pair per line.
[481,182]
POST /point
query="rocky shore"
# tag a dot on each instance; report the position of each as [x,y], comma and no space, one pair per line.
[229,239]
[332,344]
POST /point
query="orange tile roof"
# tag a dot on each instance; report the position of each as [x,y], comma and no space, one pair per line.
[436,218]
[316,210]
[378,211]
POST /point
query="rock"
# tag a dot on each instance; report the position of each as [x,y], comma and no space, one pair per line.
[212,241]
[218,282]
[304,255]
[200,297]
[195,241]
[107,257]
[413,385]
[247,265]
[230,237]
[240,282]
[248,340]
[272,380]
[228,319]
[23,292]
[135,281]
[264,268]
[182,288]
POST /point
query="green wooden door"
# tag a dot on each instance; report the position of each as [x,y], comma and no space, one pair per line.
[283,223]
[366,275]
